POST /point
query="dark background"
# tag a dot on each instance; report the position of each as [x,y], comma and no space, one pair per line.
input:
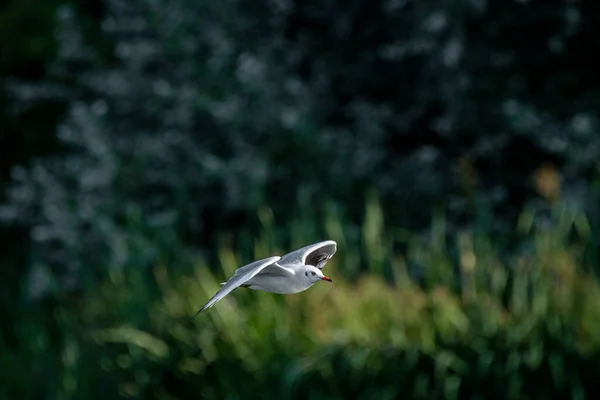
[146,134]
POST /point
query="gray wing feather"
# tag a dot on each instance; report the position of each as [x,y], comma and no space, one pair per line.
[315,254]
[240,276]
[277,269]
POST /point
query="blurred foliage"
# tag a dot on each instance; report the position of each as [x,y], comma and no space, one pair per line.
[481,328]
[184,117]
[150,147]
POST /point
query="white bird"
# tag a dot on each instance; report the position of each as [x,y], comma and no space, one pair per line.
[292,273]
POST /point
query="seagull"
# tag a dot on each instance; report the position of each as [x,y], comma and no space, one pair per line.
[292,273]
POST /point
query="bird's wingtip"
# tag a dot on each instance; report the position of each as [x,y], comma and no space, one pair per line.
[328,242]
[195,315]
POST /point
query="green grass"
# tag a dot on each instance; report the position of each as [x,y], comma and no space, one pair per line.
[477,323]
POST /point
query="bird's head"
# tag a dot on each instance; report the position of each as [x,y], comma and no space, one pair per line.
[314,274]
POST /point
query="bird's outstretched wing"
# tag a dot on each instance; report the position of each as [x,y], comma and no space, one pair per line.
[240,276]
[315,254]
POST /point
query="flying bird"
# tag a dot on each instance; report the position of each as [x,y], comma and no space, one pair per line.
[292,273]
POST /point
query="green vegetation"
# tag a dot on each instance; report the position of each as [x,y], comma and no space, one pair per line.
[472,325]
[150,147]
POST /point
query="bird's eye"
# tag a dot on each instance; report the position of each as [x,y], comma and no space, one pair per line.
[313,273]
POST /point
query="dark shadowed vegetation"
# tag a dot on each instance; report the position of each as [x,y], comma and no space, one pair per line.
[151,147]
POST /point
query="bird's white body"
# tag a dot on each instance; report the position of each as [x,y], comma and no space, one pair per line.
[280,284]
[292,273]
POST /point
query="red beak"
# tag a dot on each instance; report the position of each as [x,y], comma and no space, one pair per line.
[326,278]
